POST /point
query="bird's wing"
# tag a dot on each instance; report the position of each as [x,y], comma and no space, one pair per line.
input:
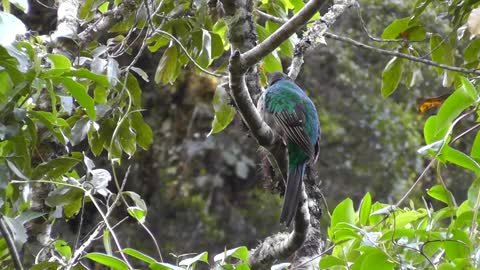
[293,125]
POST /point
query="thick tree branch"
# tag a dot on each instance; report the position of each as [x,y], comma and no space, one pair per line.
[283,33]
[282,245]
[401,55]
[243,81]
[67,19]
[108,19]
[314,36]
[260,130]
[243,36]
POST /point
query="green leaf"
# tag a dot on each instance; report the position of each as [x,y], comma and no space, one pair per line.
[137,213]
[469,88]
[142,130]
[134,90]
[156,42]
[408,217]
[364,208]
[79,92]
[457,249]
[95,141]
[87,74]
[461,159]
[139,255]
[107,260]
[140,72]
[107,242]
[63,249]
[391,76]
[137,200]
[443,53]
[164,266]
[455,104]
[56,167]
[471,52]
[80,130]
[439,192]
[202,257]
[328,261]
[46,266]
[373,260]
[64,196]
[224,113]
[475,152]
[59,61]
[344,212]
[473,193]
[11,65]
[167,66]
[127,138]
[272,63]
[239,253]
[398,26]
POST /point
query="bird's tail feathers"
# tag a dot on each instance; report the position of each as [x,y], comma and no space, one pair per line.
[292,194]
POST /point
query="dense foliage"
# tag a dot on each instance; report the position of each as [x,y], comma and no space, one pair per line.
[70,104]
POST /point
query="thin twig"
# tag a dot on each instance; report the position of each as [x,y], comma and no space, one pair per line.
[114,236]
[477,125]
[314,258]
[420,251]
[365,29]
[187,54]
[401,55]
[82,211]
[10,244]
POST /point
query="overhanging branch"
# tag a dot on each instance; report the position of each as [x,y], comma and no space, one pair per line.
[283,33]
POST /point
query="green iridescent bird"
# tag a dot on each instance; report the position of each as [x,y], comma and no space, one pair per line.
[292,115]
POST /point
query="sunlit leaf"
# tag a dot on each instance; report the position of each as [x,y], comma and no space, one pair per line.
[391,76]
[365,208]
[59,61]
[63,249]
[224,112]
[139,255]
[79,92]
[438,192]
[166,69]
[107,260]
[239,253]
[202,257]
[461,159]
[56,167]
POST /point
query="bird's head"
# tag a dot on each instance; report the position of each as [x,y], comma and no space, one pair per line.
[277,76]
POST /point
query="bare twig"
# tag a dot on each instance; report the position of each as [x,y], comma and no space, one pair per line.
[10,244]
[365,29]
[401,55]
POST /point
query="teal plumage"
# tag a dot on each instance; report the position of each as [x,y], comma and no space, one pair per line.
[291,113]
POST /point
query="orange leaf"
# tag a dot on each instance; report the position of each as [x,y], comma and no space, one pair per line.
[429,103]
